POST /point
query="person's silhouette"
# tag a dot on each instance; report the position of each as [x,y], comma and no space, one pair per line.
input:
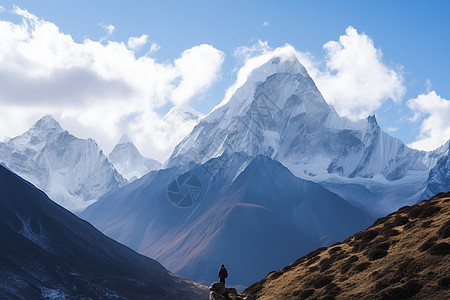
[223,274]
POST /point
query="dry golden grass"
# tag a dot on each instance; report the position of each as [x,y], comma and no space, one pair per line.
[404,255]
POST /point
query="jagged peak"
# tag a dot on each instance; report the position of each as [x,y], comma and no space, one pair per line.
[124,139]
[185,111]
[372,120]
[47,122]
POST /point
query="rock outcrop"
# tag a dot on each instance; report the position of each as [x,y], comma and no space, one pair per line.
[218,291]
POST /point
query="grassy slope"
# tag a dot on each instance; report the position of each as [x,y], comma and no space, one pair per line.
[405,255]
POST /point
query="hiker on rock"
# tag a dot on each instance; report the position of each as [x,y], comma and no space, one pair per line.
[223,274]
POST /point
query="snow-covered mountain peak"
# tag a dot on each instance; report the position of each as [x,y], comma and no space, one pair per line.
[124,139]
[129,162]
[73,172]
[256,70]
[279,112]
[184,112]
[261,113]
[285,62]
[47,123]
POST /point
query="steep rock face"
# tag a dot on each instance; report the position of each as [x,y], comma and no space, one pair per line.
[47,252]
[129,162]
[439,178]
[251,214]
[404,255]
[74,172]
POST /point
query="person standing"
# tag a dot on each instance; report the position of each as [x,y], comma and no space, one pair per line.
[223,274]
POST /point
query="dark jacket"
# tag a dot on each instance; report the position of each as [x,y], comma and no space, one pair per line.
[223,273]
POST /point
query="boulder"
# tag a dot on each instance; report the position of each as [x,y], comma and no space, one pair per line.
[215,296]
[229,291]
[218,288]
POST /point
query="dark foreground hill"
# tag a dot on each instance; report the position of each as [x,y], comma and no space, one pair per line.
[47,252]
[405,255]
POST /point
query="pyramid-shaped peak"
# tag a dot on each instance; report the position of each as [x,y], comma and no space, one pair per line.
[372,120]
[281,60]
[184,111]
[124,139]
[47,122]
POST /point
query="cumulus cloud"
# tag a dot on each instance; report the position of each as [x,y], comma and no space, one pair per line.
[136,43]
[352,76]
[435,127]
[355,80]
[266,23]
[96,90]
[260,48]
[197,66]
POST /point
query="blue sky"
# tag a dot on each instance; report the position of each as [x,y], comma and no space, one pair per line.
[413,36]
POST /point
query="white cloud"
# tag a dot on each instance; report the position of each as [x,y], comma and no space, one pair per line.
[435,128]
[355,80]
[136,43]
[154,47]
[2,9]
[197,66]
[352,77]
[260,48]
[266,23]
[109,28]
[96,90]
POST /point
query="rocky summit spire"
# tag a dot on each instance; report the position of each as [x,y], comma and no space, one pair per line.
[124,139]
[47,122]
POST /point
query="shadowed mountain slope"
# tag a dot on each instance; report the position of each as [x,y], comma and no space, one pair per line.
[46,251]
[253,219]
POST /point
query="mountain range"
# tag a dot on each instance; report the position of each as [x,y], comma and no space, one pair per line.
[74,172]
[267,176]
[270,174]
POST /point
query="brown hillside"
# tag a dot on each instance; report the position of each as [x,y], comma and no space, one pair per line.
[404,255]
